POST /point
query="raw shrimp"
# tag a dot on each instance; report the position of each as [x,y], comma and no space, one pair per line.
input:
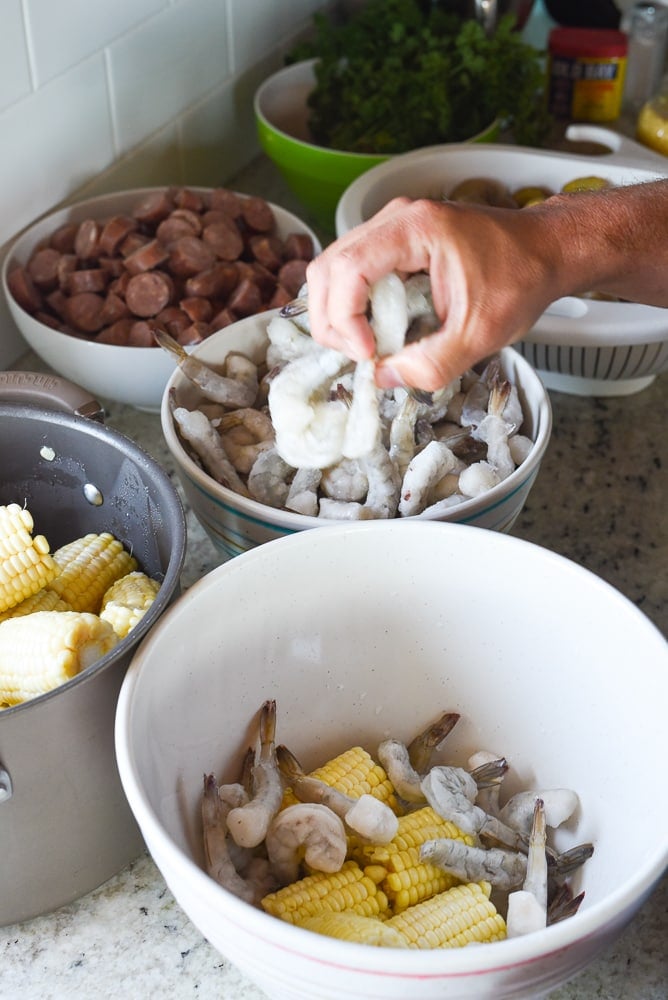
[451,792]
[477,478]
[559,804]
[303,492]
[402,433]
[362,431]
[245,433]
[198,430]
[287,342]
[368,816]
[310,829]
[248,823]
[384,483]
[269,479]
[488,796]
[345,481]
[495,430]
[527,907]
[504,869]
[389,313]
[219,864]
[429,466]
[309,425]
[405,766]
[238,387]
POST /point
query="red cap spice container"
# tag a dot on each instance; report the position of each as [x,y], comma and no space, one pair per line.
[586,73]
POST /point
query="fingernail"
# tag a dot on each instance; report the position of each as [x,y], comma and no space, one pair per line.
[388,377]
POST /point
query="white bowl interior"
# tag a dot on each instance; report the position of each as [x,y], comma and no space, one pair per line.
[360,634]
[133,375]
[235,522]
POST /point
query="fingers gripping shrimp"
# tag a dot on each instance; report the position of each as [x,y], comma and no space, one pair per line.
[310,830]
[368,816]
[309,426]
[238,387]
[248,823]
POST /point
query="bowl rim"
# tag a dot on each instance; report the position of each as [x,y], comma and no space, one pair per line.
[350,956]
[291,521]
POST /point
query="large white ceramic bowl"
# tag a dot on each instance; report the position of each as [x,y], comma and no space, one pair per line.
[581,346]
[364,631]
[235,523]
[133,375]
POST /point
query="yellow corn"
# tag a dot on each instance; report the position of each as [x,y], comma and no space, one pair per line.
[350,889]
[127,601]
[354,772]
[42,650]
[407,880]
[26,564]
[452,919]
[44,600]
[87,568]
[353,927]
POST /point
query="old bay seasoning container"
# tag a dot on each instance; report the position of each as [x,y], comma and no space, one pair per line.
[586,73]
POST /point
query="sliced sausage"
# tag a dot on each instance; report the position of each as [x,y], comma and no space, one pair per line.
[133,242]
[298,245]
[257,214]
[114,308]
[153,207]
[246,299]
[224,239]
[292,275]
[89,279]
[172,229]
[187,198]
[280,298]
[198,310]
[114,232]
[117,333]
[226,201]
[190,255]
[223,318]
[57,303]
[215,283]
[147,257]
[194,334]
[63,238]
[86,239]
[141,334]
[24,290]
[43,268]
[173,320]
[267,250]
[84,312]
[149,293]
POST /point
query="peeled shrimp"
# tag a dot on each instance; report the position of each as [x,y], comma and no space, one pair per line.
[303,492]
[248,823]
[402,433]
[345,481]
[198,430]
[368,816]
[287,342]
[362,431]
[559,804]
[245,433]
[307,829]
[269,479]
[238,387]
[309,425]
[429,466]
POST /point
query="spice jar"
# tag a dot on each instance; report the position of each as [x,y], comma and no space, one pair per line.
[586,73]
[652,124]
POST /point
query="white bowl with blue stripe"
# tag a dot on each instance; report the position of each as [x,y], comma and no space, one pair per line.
[236,524]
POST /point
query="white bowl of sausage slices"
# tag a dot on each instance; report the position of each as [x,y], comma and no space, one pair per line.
[87,285]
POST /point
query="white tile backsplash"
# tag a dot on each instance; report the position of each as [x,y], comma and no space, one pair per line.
[99,96]
[14,66]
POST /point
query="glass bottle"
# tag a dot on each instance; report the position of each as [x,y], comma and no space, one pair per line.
[652,123]
[648,35]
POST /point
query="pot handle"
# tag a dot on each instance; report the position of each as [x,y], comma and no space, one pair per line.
[6,789]
[51,391]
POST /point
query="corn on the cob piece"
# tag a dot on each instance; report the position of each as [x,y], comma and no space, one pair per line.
[127,601]
[26,564]
[87,568]
[350,889]
[407,880]
[452,919]
[354,772]
[42,650]
[44,600]
[353,927]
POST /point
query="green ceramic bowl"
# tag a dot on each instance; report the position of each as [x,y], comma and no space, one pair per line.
[318,176]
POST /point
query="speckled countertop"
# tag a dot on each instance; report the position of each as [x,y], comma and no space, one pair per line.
[600,499]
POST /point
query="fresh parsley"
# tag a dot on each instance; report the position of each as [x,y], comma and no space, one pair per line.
[407,73]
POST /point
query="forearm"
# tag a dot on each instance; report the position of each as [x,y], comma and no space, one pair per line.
[614,241]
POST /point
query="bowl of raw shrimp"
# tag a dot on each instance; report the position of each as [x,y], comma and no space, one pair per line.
[271,458]
[88,283]
[372,637]
[590,345]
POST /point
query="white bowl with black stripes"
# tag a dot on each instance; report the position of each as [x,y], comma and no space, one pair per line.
[583,346]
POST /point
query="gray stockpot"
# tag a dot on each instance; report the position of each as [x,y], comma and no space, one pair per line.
[65,826]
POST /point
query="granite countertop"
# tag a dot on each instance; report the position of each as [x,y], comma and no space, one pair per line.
[599,499]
